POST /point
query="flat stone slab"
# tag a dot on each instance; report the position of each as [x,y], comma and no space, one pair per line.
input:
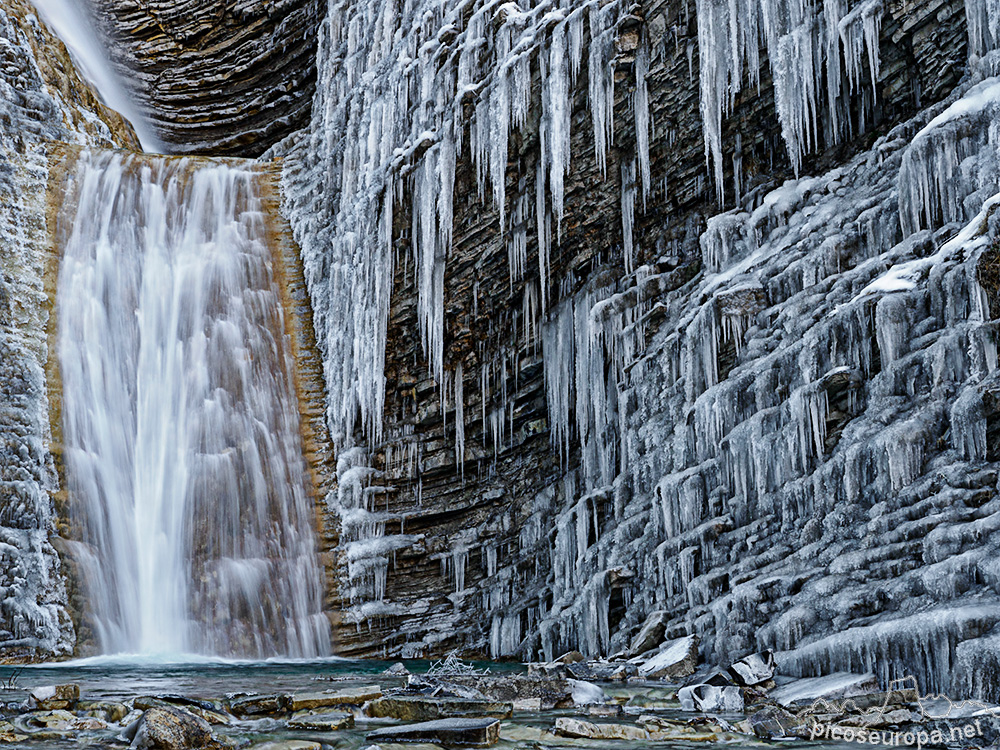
[666,730]
[349,697]
[425,708]
[554,692]
[567,727]
[451,732]
[255,705]
[324,722]
[288,745]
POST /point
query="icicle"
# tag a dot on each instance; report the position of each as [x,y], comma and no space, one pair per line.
[558,356]
[859,31]
[460,418]
[602,83]
[517,237]
[543,222]
[557,97]
[641,110]
[628,212]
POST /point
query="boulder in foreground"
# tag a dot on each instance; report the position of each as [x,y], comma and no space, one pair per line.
[165,728]
[675,659]
[462,732]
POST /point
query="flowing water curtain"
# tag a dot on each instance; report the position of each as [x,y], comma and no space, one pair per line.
[184,461]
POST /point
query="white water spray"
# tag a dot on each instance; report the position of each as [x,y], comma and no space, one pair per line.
[73,25]
[183,456]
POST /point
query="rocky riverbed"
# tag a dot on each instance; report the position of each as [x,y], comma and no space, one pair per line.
[655,695]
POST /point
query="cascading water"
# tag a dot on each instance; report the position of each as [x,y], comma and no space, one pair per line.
[183,457]
[70,20]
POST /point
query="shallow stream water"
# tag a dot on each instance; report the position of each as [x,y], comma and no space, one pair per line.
[122,679]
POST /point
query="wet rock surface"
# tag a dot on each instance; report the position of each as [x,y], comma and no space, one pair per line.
[416,708]
[173,729]
[324,722]
[454,732]
[351,696]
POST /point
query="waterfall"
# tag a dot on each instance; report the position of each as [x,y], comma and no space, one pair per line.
[183,457]
[72,24]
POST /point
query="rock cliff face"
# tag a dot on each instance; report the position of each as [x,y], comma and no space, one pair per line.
[596,403]
[221,77]
[632,308]
[41,100]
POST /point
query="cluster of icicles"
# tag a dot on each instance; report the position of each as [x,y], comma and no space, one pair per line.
[401,83]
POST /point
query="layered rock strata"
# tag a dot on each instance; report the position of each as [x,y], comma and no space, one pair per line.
[222,78]
[589,414]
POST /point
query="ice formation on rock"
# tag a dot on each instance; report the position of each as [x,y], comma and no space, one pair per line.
[804,42]
[405,91]
[846,423]
[400,87]
[33,616]
[816,393]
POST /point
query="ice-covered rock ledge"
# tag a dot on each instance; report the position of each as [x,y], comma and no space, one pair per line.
[808,460]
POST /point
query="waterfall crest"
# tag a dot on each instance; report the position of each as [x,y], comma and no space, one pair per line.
[183,456]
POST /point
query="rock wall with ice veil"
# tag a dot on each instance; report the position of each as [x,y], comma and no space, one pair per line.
[567,391]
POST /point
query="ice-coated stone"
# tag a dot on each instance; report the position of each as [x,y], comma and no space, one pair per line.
[675,659]
[830,687]
[586,693]
[709,698]
[651,633]
[753,669]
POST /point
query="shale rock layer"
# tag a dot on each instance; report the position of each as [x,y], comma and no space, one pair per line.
[218,77]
